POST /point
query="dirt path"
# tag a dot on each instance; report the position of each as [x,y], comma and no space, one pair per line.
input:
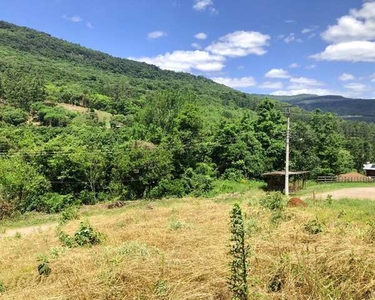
[27,230]
[352,193]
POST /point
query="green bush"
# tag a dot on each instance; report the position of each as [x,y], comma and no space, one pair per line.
[14,116]
[273,201]
[84,236]
[313,227]
[68,214]
[54,202]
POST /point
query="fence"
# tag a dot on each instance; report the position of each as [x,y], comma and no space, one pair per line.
[335,179]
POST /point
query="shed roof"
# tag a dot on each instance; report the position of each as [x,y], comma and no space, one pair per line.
[369,167]
[282,173]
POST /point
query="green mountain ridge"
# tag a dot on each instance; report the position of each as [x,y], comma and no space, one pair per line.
[347,108]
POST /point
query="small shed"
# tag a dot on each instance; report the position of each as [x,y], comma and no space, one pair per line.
[369,169]
[276,180]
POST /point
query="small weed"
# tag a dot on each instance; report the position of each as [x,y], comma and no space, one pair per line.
[370,232]
[135,248]
[2,287]
[68,214]
[56,252]
[175,224]
[329,199]
[17,235]
[313,227]
[44,269]
[251,227]
[161,288]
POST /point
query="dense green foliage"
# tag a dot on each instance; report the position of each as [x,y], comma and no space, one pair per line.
[171,134]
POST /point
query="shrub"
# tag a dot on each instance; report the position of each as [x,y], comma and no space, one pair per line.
[84,236]
[273,201]
[239,252]
[313,227]
[175,224]
[6,209]
[54,202]
[252,227]
[68,214]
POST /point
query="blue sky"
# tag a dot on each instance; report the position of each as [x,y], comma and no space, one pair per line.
[281,47]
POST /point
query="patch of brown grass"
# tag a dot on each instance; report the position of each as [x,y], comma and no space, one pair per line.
[144,257]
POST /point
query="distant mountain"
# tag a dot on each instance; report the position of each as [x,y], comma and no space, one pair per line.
[347,108]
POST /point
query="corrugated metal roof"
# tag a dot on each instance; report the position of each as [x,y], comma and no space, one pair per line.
[369,167]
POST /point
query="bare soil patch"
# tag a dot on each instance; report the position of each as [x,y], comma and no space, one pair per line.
[351,193]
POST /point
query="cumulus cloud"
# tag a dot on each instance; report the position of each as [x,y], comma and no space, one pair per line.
[201,36]
[240,43]
[89,25]
[186,61]
[303,85]
[277,73]
[358,25]
[202,5]
[352,38]
[346,77]
[319,92]
[290,38]
[73,19]
[156,35]
[242,82]
[355,51]
[306,81]
[272,85]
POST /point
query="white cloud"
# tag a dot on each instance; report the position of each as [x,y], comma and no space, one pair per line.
[294,65]
[202,5]
[89,25]
[346,77]
[156,34]
[357,87]
[201,36]
[352,38]
[290,38]
[372,77]
[355,51]
[271,85]
[310,67]
[319,92]
[303,85]
[240,43]
[74,19]
[306,81]
[196,46]
[186,61]
[358,25]
[236,82]
[277,73]
[309,29]
[290,21]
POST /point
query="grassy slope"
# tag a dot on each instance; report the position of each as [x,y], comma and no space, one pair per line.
[177,249]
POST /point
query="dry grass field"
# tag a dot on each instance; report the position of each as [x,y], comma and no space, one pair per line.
[178,249]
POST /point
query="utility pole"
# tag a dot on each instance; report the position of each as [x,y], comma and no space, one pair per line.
[287,152]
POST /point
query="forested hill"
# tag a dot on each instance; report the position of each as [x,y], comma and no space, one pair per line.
[347,108]
[74,72]
[78,126]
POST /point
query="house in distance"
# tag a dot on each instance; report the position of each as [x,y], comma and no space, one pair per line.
[369,169]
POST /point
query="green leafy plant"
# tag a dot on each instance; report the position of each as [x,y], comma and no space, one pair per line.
[239,253]
[329,199]
[2,287]
[68,214]
[314,227]
[84,236]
